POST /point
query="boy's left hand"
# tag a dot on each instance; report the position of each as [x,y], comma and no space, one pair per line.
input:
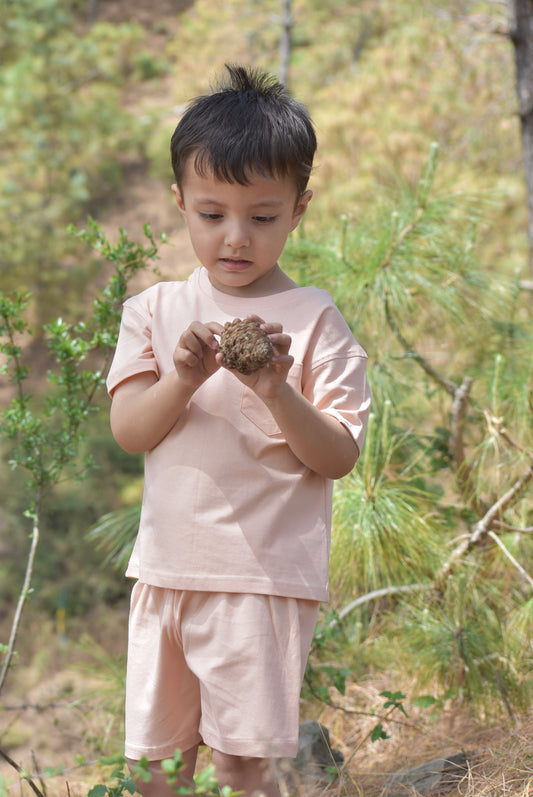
[317,439]
[270,380]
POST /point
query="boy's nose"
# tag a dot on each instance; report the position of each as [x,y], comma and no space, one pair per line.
[236,236]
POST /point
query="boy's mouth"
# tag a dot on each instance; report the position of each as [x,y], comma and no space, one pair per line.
[235,263]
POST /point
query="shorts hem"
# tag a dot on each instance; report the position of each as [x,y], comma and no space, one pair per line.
[253,748]
[135,753]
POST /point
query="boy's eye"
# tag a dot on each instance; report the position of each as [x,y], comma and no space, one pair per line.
[265,219]
[211,216]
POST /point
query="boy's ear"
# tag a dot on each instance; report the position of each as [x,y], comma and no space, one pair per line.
[301,207]
[179,199]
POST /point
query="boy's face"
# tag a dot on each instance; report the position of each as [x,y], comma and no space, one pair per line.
[238,232]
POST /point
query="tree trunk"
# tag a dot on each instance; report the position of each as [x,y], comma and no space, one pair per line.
[92,13]
[521,32]
[286,42]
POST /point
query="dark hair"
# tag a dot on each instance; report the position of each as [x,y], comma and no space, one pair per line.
[249,124]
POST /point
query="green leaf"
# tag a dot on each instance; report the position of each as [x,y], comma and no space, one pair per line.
[338,676]
[112,759]
[424,701]
[98,791]
[378,733]
[394,700]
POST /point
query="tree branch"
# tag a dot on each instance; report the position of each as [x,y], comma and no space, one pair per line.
[374,595]
[499,524]
[449,386]
[461,397]
[21,601]
[487,522]
[25,777]
[511,558]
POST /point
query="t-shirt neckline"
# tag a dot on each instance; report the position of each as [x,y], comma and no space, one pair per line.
[229,300]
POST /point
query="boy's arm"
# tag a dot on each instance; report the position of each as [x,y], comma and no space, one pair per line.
[144,410]
[319,440]
[145,407]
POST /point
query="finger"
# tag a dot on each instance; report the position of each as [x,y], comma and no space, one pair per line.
[282,362]
[281,342]
[185,358]
[204,335]
[253,317]
[216,329]
[190,346]
[272,328]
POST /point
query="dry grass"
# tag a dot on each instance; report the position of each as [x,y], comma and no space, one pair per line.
[499,752]
[61,726]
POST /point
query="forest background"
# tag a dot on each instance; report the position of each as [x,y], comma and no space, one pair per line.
[418,227]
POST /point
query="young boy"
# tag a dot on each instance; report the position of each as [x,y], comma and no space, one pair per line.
[231,558]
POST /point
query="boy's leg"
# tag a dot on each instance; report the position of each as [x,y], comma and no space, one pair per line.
[249,653]
[162,695]
[250,777]
[157,786]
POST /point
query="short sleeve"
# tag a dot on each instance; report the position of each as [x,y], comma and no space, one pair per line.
[134,353]
[339,387]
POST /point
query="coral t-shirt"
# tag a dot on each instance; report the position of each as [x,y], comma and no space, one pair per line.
[227,506]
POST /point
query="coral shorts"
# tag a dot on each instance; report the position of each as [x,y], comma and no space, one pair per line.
[221,669]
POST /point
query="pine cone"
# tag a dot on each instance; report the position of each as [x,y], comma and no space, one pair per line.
[245,346]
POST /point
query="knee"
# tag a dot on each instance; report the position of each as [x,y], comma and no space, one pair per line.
[250,776]
[228,767]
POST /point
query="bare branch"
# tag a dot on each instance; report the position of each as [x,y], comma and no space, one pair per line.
[499,524]
[511,558]
[488,521]
[449,387]
[38,707]
[36,767]
[286,42]
[25,777]
[374,595]
[22,600]
[460,401]
[497,427]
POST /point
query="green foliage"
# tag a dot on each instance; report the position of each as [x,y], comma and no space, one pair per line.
[205,782]
[448,449]
[105,699]
[393,702]
[62,129]
[115,532]
[374,506]
[46,440]
[460,641]
[329,643]
[45,435]
[124,783]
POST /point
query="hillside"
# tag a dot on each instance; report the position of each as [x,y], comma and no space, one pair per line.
[383,80]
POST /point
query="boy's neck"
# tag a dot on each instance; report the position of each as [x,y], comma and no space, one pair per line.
[274,281]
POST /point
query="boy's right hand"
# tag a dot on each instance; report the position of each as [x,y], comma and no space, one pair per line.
[195,354]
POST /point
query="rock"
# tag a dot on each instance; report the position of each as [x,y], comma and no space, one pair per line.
[315,762]
[430,778]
